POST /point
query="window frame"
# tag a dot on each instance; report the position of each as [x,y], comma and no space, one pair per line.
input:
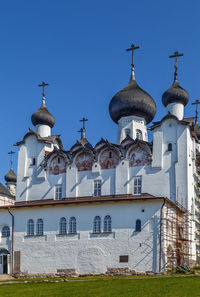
[97,187]
[169,147]
[138,225]
[58,192]
[137,185]
[72,225]
[5,233]
[139,133]
[40,227]
[30,226]
[97,224]
[107,224]
[63,226]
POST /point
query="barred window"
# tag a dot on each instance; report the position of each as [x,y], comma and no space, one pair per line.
[63,226]
[30,227]
[39,229]
[107,224]
[72,225]
[58,192]
[97,187]
[137,185]
[97,224]
[138,225]
[5,231]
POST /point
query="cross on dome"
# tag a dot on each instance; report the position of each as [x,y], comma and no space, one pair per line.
[176,55]
[43,85]
[132,49]
[11,160]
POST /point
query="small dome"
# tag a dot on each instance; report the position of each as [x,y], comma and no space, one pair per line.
[43,116]
[132,101]
[197,130]
[11,177]
[175,94]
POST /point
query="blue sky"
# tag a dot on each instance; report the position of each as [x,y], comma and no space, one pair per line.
[78,47]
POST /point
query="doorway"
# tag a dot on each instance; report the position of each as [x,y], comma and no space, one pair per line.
[5,264]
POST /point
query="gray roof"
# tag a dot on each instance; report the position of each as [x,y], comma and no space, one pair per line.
[175,94]
[11,177]
[132,101]
[4,191]
[43,116]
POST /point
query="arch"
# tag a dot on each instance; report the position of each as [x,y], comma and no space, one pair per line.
[57,165]
[139,155]
[63,226]
[109,158]
[5,232]
[72,225]
[30,227]
[107,224]
[84,161]
[138,225]
[39,227]
[97,224]
[139,134]
[169,147]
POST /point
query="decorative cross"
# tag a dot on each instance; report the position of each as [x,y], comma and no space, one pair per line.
[84,120]
[11,161]
[43,85]
[132,48]
[196,102]
[81,131]
[176,55]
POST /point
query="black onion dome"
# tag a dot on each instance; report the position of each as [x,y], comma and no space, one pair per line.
[10,177]
[132,101]
[43,116]
[197,130]
[175,94]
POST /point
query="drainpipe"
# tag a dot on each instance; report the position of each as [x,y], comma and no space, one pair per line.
[161,219]
[12,241]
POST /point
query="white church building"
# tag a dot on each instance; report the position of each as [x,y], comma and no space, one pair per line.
[113,208]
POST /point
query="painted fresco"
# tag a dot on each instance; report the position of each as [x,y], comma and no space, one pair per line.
[109,159]
[139,157]
[57,165]
[84,161]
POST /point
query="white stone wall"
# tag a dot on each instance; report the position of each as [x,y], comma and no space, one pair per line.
[87,252]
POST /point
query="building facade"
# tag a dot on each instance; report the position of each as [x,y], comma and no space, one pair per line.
[130,206]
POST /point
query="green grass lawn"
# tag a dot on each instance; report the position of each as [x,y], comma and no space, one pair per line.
[173,287]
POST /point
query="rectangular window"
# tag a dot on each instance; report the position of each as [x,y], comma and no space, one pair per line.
[137,185]
[123,259]
[97,187]
[58,192]
[33,162]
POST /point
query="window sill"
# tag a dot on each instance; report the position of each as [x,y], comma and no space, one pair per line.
[34,235]
[102,235]
[65,234]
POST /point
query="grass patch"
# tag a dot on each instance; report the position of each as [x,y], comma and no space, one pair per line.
[110,287]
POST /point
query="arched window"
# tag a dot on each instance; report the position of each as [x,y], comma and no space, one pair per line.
[72,225]
[97,224]
[138,134]
[30,227]
[5,231]
[63,226]
[107,224]
[138,226]
[169,148]
[39,227]
[128,132]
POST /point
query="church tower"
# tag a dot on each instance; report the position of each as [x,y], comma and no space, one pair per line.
[132,108]
[11,178]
